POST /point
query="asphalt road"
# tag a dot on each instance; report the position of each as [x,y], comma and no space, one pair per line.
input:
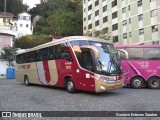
[15,96]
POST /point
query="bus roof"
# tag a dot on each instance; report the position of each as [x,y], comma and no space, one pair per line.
[137,46]
[65,39]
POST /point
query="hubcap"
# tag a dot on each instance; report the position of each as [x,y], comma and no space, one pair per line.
[26,81]
[137,82]
[155,83]
[70,86]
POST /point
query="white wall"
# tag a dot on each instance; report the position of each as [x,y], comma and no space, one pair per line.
[24,25]
[3,67]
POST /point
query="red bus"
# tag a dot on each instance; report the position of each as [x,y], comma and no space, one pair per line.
[74,63]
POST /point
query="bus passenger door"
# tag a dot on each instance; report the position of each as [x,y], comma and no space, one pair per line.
[86,62]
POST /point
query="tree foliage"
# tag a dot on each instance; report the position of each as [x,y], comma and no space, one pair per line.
[8,54]
[13,6]
[30,41]
[104,34]
[66,23]
[59,17]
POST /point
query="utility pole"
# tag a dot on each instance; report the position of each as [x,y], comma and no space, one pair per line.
[4,12]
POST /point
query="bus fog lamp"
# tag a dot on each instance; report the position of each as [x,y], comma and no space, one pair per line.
[103,88]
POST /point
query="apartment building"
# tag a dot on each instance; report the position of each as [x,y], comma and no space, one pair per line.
[127,21]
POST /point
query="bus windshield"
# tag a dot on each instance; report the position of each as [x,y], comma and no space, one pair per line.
[108,61]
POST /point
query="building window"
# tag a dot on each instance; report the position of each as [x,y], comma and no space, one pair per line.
[141,31]
[21,25]
[115,39]
[130,34]
[105,30]
[114,27]
[129,8]
[20,17]
[114,3]
[105,19]
[97,13]
[97,3]
[140,17]
[114,15]
[154,28]
[89,7]
[24,17]
[153,13]
[124,10]
[125,36]
[139,3]
[105,8]
[85,28]
[89,26]
[89,16]
[27,25]
[27,18]
[97,23]
[84,9]
[129,20]
[85,19]
[124,22]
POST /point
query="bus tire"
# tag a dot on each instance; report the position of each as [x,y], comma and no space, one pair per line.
[26,80]
[70,86]
[153,82]
[137,82]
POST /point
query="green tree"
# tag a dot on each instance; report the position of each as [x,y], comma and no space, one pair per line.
[59,17]
[66,23]
[30,41]
[8,54]
[104,34]
[13,6]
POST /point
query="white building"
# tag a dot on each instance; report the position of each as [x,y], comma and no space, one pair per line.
[23,25]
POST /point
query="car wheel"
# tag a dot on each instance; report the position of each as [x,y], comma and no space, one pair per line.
[154,83]
[70,86]
[137,82]
[26,81]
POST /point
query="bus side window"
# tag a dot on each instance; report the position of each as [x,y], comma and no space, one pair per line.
[59,49]
[52,53]
[40,55]
[66,53]
[62,52]
[32,57]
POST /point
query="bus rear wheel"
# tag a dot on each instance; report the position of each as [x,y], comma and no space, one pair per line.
[154,82]
[26,81]
[70,86]
[137,82]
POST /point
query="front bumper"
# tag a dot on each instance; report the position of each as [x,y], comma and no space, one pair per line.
[110,85]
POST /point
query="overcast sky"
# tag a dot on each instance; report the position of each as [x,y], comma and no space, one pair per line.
[31,3]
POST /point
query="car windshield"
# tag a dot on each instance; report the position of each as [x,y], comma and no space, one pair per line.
[108,60]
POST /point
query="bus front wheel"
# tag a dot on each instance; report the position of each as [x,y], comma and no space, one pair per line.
[70,86]
[26,81]
[154,82]
[137,82]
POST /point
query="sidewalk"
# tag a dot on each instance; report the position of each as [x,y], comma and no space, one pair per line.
[2,77]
